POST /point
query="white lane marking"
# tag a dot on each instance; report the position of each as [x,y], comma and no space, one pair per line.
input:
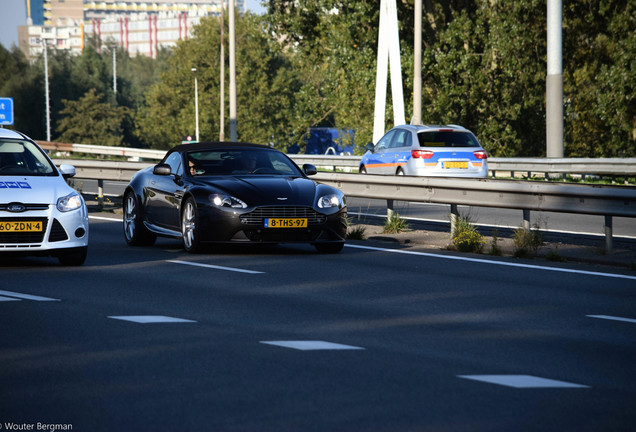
[522,381]
[311,345]
[104,219]
[502,263]
[215,267]
[26,296]
[145,319]
[5,299]
[608,317]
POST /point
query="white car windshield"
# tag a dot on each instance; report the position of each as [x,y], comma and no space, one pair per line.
[23,158]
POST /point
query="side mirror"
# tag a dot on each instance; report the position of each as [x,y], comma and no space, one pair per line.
[162,170]
[309,169]
[67,171]
[370,147]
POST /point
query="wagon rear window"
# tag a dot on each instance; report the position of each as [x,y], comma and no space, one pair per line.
[447,139]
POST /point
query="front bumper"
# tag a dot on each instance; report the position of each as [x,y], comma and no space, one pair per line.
[231,226]
[60,230]
[474,170]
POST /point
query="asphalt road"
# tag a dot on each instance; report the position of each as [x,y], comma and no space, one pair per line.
[285,339]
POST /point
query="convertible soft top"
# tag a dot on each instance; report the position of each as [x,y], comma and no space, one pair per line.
[212,145]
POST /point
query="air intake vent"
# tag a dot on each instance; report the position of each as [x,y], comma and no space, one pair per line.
[57,232]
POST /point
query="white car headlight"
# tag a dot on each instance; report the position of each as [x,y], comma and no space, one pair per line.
[70,202]
[226,201]
[329,201]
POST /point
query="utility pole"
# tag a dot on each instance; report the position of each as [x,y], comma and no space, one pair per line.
[554,81]
[115,72]
[46,91]
[233,133]
[222,80]
[196,103]
[417,66]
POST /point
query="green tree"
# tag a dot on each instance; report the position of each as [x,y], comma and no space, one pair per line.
[89,120]
[599,76]
[24,83]
[265,88]
[485,70]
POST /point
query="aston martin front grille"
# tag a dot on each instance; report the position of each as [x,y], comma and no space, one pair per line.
[260,213]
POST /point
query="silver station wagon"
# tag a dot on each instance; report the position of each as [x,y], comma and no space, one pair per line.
[444,151]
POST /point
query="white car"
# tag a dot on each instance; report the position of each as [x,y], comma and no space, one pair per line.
[418,150]
[40,214]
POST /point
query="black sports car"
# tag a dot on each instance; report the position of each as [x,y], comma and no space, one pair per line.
[232,193]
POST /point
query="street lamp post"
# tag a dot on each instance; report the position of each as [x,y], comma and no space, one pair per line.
[222,78]
[196,103]
[46,91]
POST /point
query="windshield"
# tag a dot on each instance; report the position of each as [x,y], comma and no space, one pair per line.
[20,158]
[447,139]
[240,161]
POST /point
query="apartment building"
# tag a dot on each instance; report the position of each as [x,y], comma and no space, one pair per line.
[139,27]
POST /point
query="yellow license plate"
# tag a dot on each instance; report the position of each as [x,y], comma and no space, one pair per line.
[461,165]
[286,223]
[21,226]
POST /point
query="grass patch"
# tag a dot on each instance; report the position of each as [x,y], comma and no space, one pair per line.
[527,242]
[465,236]
[356,233]
[553,255]
[495,250]
[395,224]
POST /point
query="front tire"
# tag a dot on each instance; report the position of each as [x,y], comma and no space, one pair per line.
[135,233]
[190,226]
[73,257]
[363,170]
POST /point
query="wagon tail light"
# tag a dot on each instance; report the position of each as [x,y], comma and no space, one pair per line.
[481,154]
[424,154]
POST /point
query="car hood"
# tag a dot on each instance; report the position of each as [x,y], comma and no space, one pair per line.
[264,189]
[32,190]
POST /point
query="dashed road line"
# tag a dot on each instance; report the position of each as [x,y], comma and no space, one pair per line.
[609,317]
[151,319]
[215,267]
[522,381]
[311,345]
[16,295]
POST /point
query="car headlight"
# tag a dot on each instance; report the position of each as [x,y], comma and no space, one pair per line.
[70,202]
[329,201]
[226,201]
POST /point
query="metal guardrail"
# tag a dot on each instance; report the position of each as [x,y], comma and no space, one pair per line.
[545,166]
[607,201]
[132,153]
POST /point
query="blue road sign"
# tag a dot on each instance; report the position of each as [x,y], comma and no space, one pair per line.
[6,111]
